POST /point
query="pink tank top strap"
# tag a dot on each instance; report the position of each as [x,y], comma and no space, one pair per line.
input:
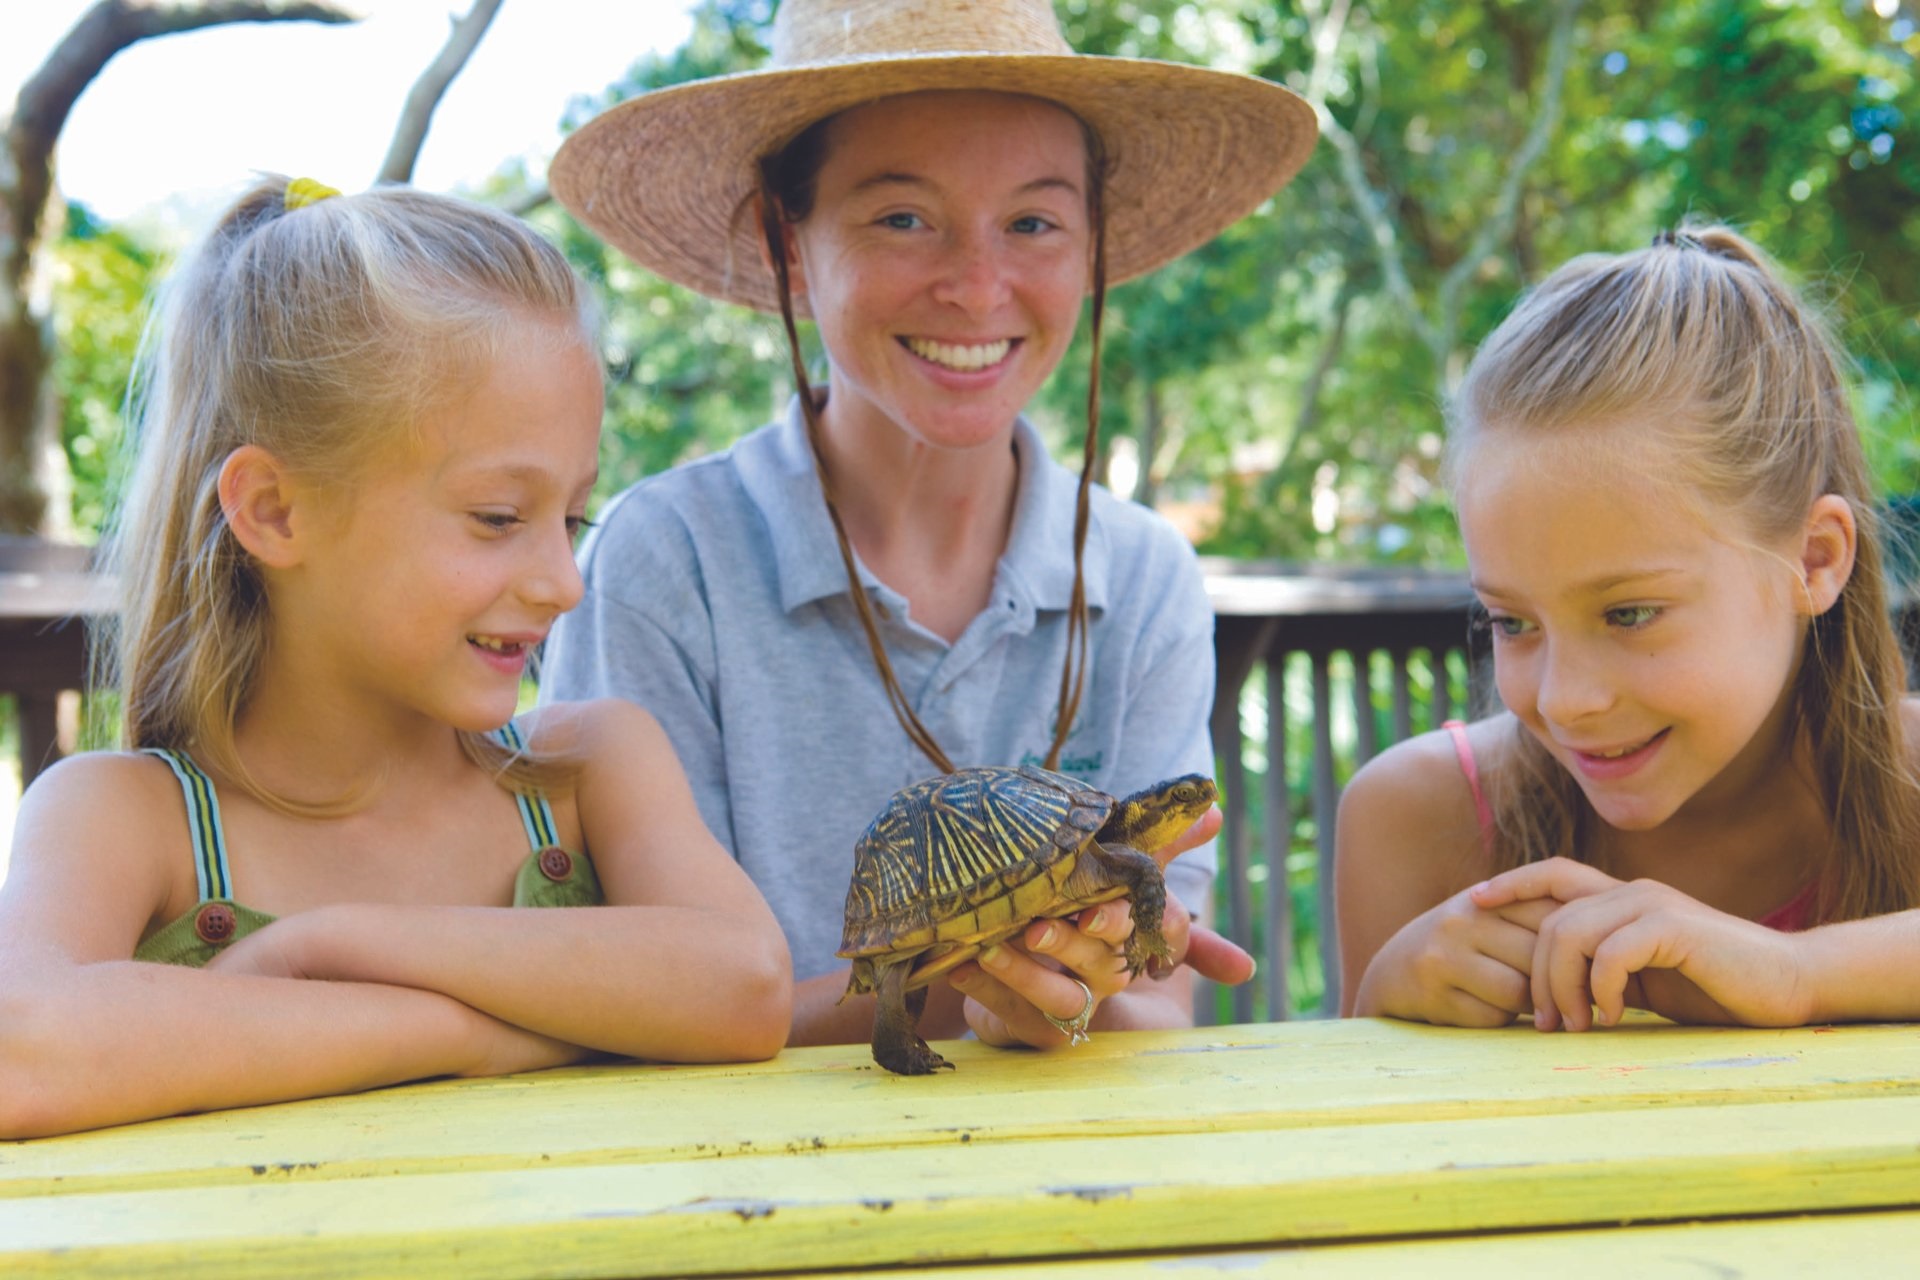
[1795,915]
[1464,749]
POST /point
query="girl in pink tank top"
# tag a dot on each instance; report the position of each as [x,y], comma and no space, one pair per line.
[1669,523]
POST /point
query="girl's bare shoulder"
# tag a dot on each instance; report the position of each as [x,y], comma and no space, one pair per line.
[1413,801]
[111,792]
[99,843]
[591,730]
[1428,772]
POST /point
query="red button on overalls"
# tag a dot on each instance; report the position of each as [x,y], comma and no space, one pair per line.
[556,864]
[214,923]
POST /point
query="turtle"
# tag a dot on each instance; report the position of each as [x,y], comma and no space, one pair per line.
[960,861]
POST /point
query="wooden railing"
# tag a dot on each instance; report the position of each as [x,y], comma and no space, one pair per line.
[46,594]
[1331,633]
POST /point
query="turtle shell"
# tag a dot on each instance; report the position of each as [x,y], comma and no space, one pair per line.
[966,854]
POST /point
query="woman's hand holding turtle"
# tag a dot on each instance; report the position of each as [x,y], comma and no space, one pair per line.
[1213,957]
[1012,990]
[1061,971]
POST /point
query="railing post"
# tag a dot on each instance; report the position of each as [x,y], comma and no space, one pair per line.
[1366,733]
[1320,611]
[1402,694]
[1238,643]
[1279,842]
[1326,803]
[1442,701]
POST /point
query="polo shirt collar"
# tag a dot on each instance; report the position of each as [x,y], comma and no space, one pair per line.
[1039,555]
[776,470]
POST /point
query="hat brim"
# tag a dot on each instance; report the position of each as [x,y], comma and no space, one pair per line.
[667,177]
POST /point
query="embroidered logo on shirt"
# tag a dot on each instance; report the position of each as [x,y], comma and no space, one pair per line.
[1086,766]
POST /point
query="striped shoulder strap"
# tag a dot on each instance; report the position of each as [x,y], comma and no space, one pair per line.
[535,813]
[203,819]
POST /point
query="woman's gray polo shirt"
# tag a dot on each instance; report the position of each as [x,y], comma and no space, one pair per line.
[716,599]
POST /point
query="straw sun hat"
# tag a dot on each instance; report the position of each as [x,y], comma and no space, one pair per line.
[667,177]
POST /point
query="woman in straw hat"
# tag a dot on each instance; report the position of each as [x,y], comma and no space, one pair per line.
[938,185]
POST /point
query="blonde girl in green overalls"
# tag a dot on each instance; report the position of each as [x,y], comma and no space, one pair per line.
[369,428]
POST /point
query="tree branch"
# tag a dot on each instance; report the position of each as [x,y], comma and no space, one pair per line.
[1331,349]
[1327,27]
[1497,227]
[45,100]
[415,118]
[28,432]
[525,202]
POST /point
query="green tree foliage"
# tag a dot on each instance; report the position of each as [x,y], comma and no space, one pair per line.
[1277,370]
[685,375]
[101,277]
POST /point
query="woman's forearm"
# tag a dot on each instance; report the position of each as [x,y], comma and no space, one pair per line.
[820,1018]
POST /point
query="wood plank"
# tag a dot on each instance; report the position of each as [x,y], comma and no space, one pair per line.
[1251,588]
[1272,1079]
[1795,1247]
[981,1201]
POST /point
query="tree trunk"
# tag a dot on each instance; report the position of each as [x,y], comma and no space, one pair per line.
[31,460]
[1307,421]
[1146,489]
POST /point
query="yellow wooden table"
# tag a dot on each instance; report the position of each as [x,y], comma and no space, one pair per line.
[1330,1148]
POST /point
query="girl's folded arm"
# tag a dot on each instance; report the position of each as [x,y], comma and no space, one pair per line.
[1406,840]
[90,1038]
[87,1045]
[1862,970]
[684,963]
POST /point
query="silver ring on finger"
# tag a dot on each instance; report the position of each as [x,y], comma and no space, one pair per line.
[1074,1028]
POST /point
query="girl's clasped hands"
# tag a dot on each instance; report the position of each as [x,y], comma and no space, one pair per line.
[1602,946]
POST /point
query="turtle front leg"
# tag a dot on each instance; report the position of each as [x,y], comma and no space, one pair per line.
[1147,887]
[896,1045]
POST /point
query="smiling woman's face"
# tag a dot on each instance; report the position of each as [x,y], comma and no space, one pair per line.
[944,259]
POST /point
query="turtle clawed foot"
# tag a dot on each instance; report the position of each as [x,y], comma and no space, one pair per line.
[913,1058]
[1143,944]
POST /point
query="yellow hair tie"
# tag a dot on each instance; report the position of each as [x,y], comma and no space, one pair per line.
[302,192]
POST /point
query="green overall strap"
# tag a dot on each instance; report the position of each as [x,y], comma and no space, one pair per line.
[535,813]
[203,819]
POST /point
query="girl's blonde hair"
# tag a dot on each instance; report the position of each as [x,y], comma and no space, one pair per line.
[1700,340]
[321,333]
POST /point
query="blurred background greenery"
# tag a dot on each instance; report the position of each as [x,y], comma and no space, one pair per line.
[1279,393]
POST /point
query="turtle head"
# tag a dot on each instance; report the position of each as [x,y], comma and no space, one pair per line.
[1148,819]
